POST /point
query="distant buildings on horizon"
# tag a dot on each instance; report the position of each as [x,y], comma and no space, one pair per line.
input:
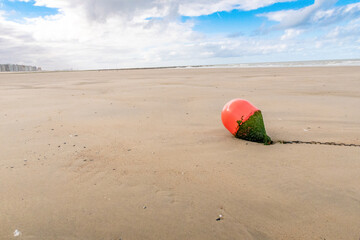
[18,68]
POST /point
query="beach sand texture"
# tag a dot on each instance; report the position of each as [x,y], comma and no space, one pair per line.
[142,154]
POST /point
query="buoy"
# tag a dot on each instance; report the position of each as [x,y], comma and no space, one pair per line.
[244,121]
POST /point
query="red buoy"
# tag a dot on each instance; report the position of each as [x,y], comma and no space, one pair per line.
[236,110]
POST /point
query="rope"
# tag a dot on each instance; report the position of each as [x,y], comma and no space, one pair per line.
[320,143]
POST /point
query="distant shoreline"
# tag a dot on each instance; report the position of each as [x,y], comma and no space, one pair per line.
[315,63]
[290,64]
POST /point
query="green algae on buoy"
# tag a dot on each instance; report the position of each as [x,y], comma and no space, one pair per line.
[244,121]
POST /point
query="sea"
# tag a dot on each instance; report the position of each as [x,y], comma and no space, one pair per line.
[317,63]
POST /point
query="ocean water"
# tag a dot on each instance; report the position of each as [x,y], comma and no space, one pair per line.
[318,63]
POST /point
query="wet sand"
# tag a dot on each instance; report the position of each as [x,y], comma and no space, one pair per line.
[142,154]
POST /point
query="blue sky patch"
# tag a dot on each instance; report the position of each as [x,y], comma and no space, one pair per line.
[17,10]
[345,2]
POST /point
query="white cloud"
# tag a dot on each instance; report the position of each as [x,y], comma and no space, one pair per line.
[350,30]
[290,34]
[321,12]
[294,18]
[68,40]
[337,14]
[116,33]
[205,7]
[101,10]
[71,41]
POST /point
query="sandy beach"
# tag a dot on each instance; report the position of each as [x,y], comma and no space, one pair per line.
[142,154]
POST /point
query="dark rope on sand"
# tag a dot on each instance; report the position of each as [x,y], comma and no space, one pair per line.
[319,143]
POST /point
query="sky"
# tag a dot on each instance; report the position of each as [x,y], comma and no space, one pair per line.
[108,34]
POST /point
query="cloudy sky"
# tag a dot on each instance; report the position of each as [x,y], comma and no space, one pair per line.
[93,34]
